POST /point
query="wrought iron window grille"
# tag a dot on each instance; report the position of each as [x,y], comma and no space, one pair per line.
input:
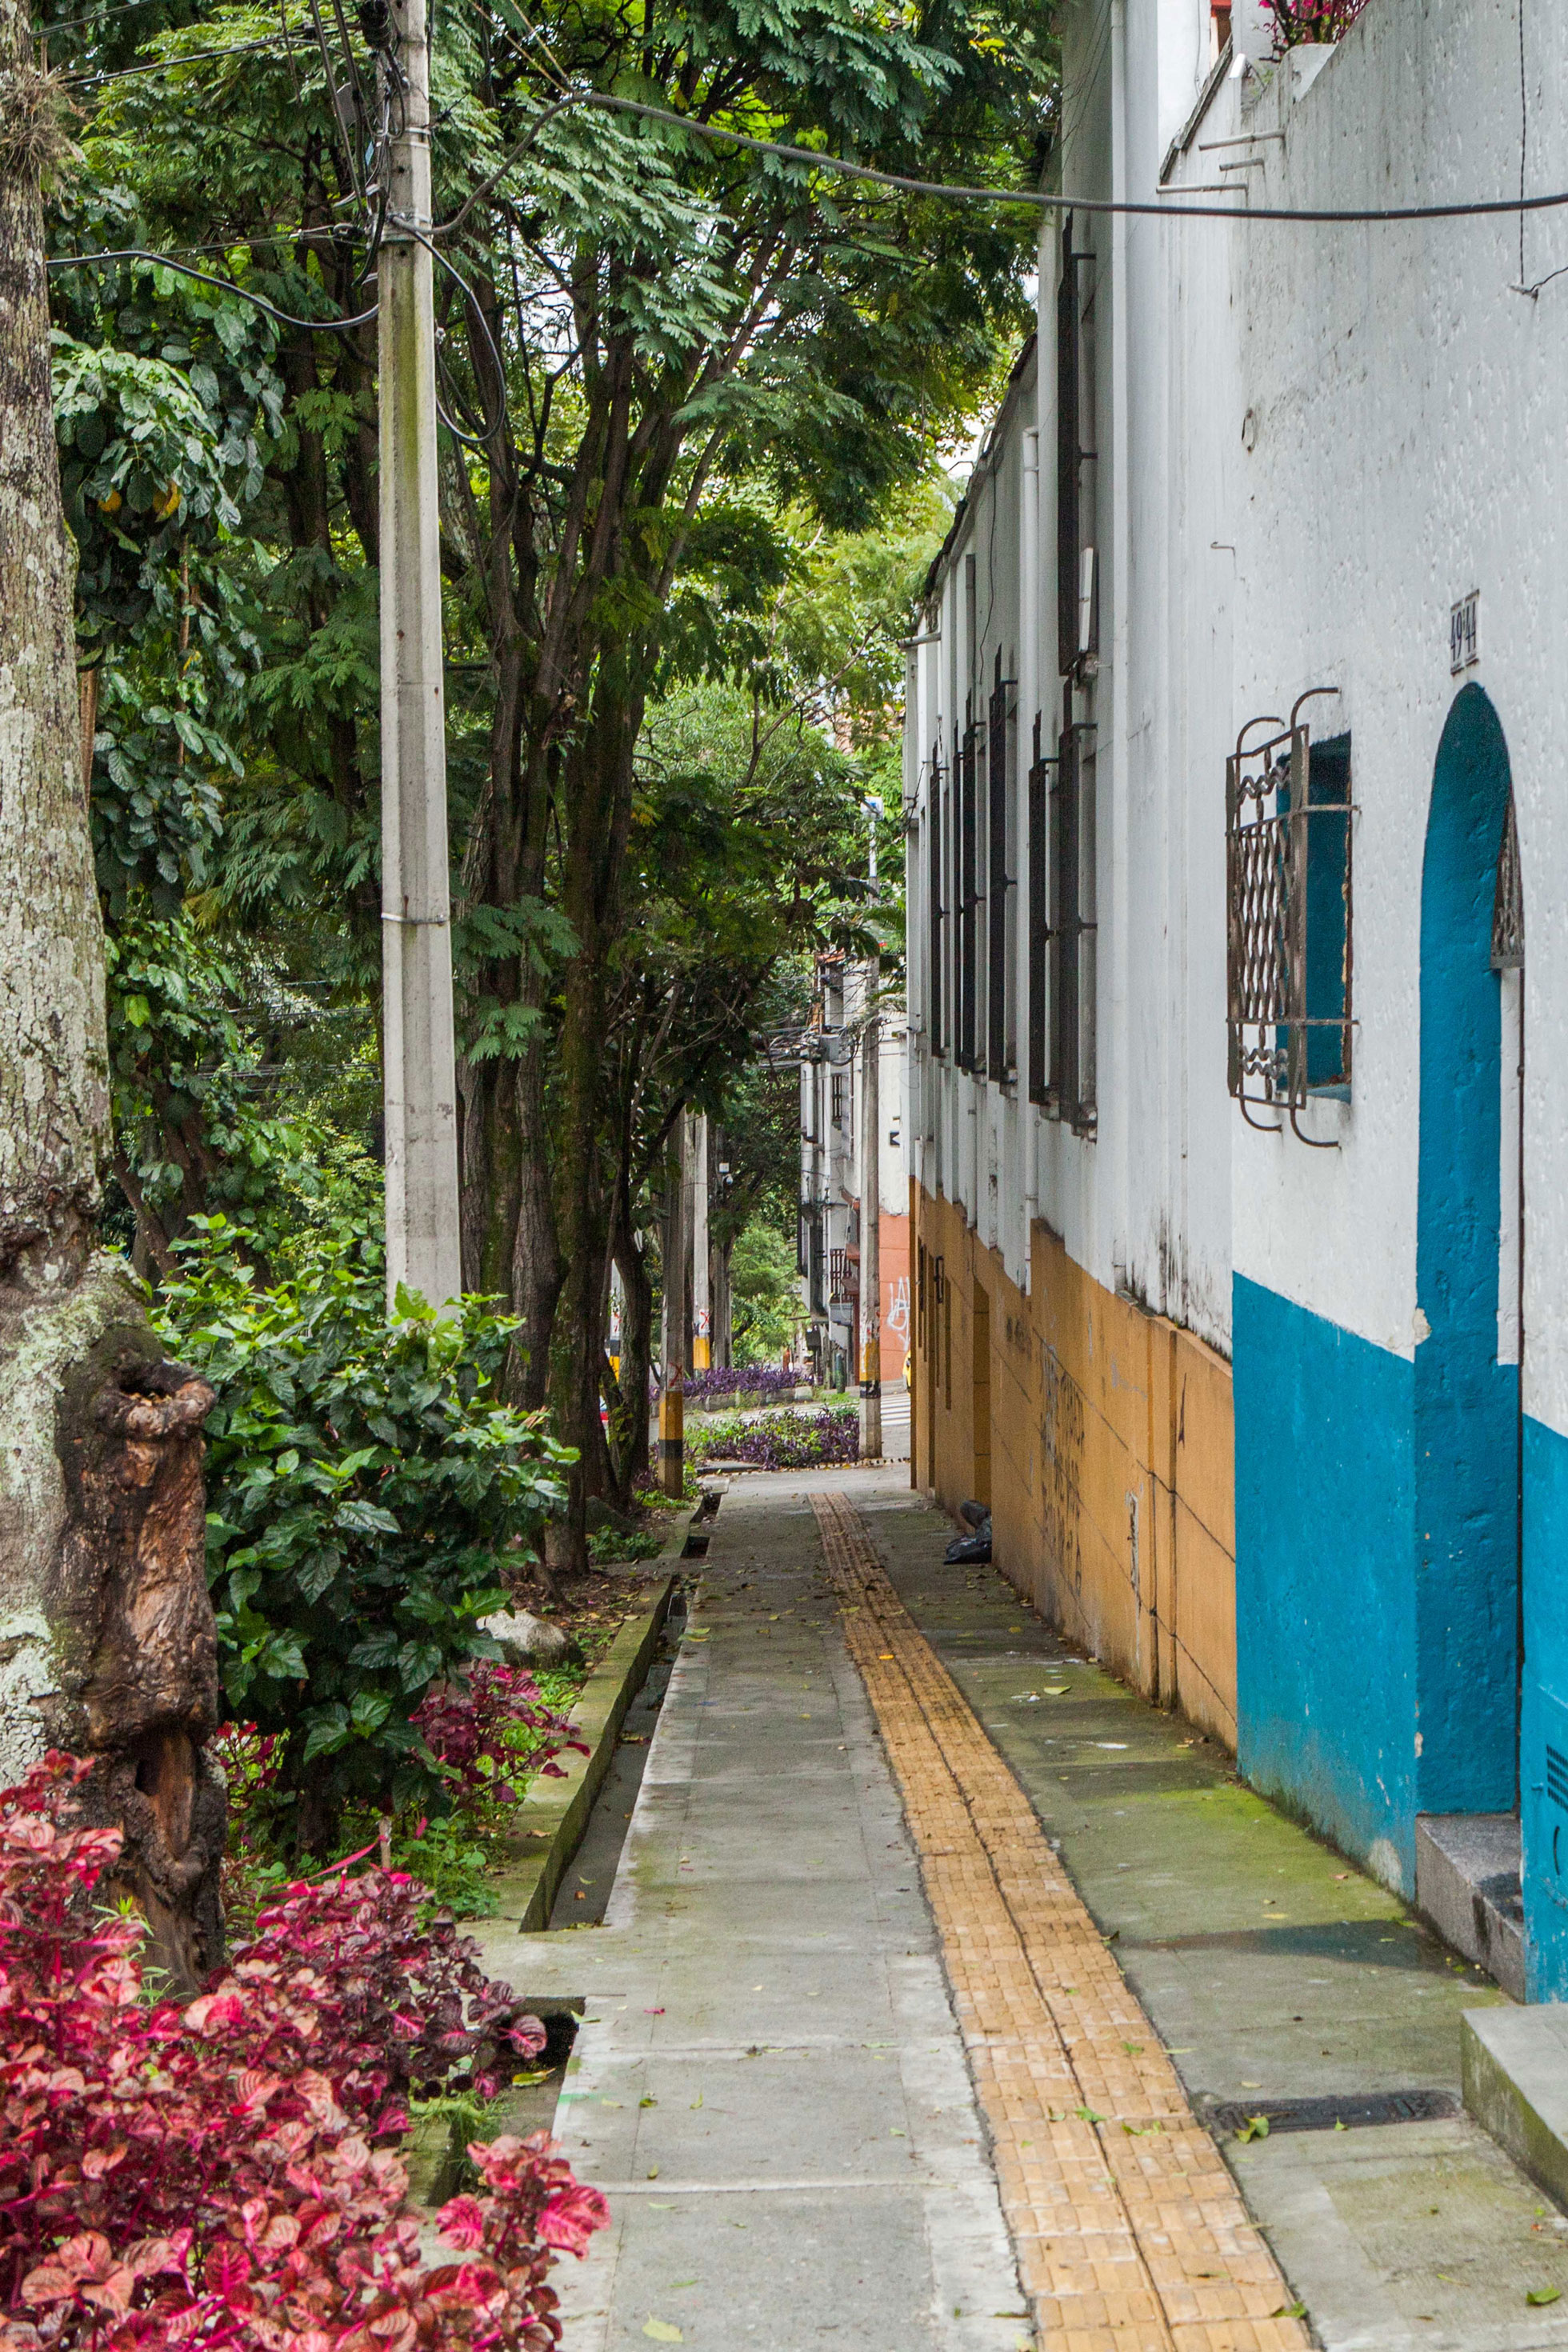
[936,912]
[1000,768]
[1041,767]
[1289,925]
[967,1052]
[1071,937]
[1072,458]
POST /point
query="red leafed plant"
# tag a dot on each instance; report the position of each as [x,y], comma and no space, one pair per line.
[209,2177]
[1297,21]
[491,1724]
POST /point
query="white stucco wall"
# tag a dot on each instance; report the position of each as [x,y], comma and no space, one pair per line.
[1403,446]
[1143,1203]
[1409,448]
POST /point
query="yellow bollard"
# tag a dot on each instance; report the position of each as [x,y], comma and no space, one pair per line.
[672,1439]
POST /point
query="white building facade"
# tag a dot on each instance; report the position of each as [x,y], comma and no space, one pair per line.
[1230,772]
[833,1163]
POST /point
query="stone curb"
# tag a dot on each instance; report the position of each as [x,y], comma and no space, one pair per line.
[549,1824]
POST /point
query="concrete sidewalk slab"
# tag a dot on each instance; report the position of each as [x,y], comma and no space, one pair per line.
[1270,1967]
[769,2081]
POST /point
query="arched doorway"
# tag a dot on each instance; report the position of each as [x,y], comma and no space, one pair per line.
[1467,1370]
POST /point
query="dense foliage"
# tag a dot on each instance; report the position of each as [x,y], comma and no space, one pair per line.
[227,2174]
[489,1729]
[1297,21]
[782,1439]
[364,1482]
[754,1381]
[703,396]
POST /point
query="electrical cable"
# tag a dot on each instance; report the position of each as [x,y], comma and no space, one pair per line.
[1037,199]
[473,303]
[74,24]
[223,285]
[188,57]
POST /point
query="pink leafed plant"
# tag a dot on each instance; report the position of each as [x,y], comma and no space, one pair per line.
[491,1724]
[1297,21]
[226,2174]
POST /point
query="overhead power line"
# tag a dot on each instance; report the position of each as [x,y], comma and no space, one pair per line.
[1037,199]
[178,57]
[206,277]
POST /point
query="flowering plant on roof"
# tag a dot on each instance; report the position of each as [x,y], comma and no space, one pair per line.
[1297,21]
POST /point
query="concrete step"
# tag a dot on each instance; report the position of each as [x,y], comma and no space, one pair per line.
[1467,1883]
[1515,2065]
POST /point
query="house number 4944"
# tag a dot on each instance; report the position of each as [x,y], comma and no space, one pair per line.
[1465,632]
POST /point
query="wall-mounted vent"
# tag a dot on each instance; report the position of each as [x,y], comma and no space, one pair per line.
[1557,1777]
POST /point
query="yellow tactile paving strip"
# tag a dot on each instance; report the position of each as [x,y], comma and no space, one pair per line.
[1131,2234]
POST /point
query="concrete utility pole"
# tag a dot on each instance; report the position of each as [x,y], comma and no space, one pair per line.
[871,1190]
[420,1063]
[701,1262]
[673,1342]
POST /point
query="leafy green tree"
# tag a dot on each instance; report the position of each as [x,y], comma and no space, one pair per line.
[766,1291]
[683,373]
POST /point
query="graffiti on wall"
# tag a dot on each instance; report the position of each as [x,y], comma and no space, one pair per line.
[1062,1429]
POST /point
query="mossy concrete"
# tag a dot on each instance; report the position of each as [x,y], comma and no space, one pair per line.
[1516,2086]
[1271,1966]
[548,1826]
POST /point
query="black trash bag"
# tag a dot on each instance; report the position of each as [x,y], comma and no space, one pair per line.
[975,1515]
[971,1549]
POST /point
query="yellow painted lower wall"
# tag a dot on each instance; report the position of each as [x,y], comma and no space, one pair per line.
[1102,1437]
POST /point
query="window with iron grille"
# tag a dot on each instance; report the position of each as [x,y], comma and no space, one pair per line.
[1288,933]
[1039,1072]
[1076,568]
[1072,929]
[840,1096]
[968,900]
[1001,791]
[1068,361]
[934,912]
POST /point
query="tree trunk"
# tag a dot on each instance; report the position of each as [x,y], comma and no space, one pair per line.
[601,801]
[107,1640]
[724,1307]
[630,1416]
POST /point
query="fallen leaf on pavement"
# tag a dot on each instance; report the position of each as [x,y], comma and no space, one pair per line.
[1545,2294]
[661,2331]
[1255,2128]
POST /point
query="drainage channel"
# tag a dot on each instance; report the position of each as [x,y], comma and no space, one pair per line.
[584,1891]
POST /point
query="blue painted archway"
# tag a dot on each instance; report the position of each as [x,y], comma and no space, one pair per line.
[1466,1402]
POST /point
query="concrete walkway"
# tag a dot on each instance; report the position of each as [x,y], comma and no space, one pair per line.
[771,2082]
[1273,1972]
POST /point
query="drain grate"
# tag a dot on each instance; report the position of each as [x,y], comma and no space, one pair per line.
[1331,2113]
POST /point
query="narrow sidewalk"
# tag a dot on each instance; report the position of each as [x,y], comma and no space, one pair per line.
[772,2081]
[768,2084]
[1275,1974]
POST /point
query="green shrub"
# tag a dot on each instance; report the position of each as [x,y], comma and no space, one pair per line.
[362,1479]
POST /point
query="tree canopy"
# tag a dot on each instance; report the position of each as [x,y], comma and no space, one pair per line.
[693,401]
